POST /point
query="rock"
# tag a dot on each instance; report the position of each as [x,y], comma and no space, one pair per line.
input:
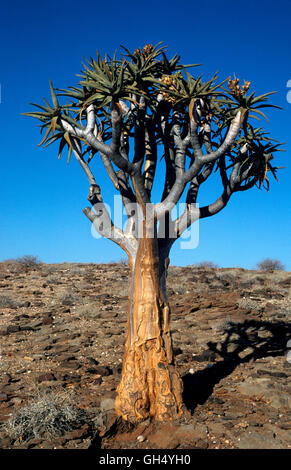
[271,373]
[285,425]
[207,355]
[260,440]
[91,370]
[216,429]
[5,379]
[231,348]
[265,387]
[47,320]
[46,377]
[217,400]
[77,433]
[177,351]
[102,370]
[71,378]
[26,328]
[36,442]
[253,387]
[13,329]
[170,436]
[20,317]
[246,352]
[201,444]
[5,442]
[194,308]
[232,416]
[70,364]
[107,404]
[93,361]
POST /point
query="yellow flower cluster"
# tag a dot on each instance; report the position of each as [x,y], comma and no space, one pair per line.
[147,50]
[234,87]
[170,81]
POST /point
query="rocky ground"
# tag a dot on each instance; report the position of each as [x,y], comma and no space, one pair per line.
[62,333]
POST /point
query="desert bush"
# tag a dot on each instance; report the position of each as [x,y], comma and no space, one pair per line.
[67,297]
[269,264]
[248,304]
[123,261]
[77,270]
[224,325]
[207,264]
[8,302]
[87,310]
[19,265]
[28,261]
[49,414]
[53,279]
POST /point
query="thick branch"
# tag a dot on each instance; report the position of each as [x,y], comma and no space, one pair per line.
[213,156]
[151,157]
[105,228]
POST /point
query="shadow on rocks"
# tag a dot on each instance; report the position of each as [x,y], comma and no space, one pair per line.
[244,342]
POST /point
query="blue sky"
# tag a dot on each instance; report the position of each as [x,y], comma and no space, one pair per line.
[41,197]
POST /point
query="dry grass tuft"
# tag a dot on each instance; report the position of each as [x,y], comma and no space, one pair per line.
[48,415]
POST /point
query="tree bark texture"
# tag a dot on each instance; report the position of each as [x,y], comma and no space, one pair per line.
[150,385]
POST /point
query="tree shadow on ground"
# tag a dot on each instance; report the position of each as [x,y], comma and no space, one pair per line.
[265,338]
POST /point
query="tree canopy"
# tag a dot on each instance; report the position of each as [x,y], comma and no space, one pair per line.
[126,107]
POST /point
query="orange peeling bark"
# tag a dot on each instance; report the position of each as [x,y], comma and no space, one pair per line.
[150,385]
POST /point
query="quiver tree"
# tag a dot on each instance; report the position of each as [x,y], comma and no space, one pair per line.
[134,113]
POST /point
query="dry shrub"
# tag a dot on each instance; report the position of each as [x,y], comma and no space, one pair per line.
[8,302]
[48,415]
[269,264]
[207,264]
[67,297]
[248,304]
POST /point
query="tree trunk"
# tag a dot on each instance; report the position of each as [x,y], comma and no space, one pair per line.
[150,384]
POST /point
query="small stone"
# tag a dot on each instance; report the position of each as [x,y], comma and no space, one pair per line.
[70,365]
[271,373]
[177,351]
[285,425]
[107,404]
[46,377]
[26,328]
[206,356]
[194,308]
[77,433]
[13,329]
[103,370]
[140,438]
[232,347]
[93,361]
[5,379]
[246,352]
[47,320]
